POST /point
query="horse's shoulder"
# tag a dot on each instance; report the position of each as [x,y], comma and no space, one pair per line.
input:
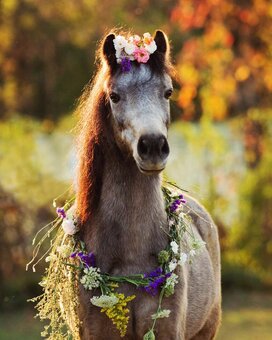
[206,228]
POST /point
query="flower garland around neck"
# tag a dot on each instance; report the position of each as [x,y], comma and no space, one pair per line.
[71,265]
[135,48]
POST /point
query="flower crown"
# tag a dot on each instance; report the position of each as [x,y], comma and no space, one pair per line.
[133,48]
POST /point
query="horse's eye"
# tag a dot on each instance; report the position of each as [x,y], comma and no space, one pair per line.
[114,97]
[168,93]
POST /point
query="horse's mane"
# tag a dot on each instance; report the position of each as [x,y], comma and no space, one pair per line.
[92,133]
[92,111]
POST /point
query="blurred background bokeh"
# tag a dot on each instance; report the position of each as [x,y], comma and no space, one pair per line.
[221,148]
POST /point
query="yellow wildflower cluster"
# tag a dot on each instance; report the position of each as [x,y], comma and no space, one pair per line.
[118,313]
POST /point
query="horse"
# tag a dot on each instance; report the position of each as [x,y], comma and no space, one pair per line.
[122,149]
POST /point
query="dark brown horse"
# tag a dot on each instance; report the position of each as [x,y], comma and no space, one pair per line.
[122,149]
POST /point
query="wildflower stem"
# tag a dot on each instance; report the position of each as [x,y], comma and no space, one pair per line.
[159,307]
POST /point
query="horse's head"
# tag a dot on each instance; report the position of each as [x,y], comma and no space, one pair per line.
[139,104]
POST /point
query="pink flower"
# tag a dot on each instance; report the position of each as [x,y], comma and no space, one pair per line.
[135,39]
[141,55]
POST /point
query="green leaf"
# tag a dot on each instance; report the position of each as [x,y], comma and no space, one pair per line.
[149,335]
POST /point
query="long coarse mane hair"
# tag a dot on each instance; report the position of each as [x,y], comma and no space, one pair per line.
[94,128]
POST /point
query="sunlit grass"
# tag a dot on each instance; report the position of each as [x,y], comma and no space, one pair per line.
[19,324]
[246,316]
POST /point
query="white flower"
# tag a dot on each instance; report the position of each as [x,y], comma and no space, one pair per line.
[183,259]
[151,48]
[163,313]
[69,226]
[51,257]
[169,287]
[118,54]
[104,301]
[129,48]
[172,265]
[119,42]
[171,280]
[134,39]
[91,278]
[64,250]
[70,213]
[147,35]
[174,247]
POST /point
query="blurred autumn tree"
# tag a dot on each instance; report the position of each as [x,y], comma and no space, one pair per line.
[224,66]
[225,62]
[47,48]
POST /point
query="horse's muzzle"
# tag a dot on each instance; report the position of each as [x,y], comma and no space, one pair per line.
[153,151]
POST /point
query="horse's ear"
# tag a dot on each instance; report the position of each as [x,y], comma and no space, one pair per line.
[108,50]
[161,42]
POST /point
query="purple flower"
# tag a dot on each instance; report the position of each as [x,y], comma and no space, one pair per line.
[177,202]
[61,212]
[87,259]
[154,286]
[155,273]
[182,199]
[125,65]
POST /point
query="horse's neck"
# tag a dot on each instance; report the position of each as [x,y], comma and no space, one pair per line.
[127,226]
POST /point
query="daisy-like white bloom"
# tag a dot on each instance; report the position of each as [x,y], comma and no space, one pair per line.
[174,247]
[69,226]
[104,301]
[172,265]
[135,39]
[151,47]
[91,278]
[147,38]
[183,259]
[163,313]
[64,250]
[119,42]
[129,48]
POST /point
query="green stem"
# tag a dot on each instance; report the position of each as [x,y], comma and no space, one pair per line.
[71,265]
[159,307]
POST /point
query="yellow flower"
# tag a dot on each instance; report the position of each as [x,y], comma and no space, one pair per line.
[118,313]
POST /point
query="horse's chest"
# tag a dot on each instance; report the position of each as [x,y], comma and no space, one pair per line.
[123,247]
[97,326]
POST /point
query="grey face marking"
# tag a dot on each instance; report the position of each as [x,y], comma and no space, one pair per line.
[141,114]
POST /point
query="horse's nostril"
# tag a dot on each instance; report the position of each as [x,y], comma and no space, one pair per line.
[143,147]
[153,147]
[164,147]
